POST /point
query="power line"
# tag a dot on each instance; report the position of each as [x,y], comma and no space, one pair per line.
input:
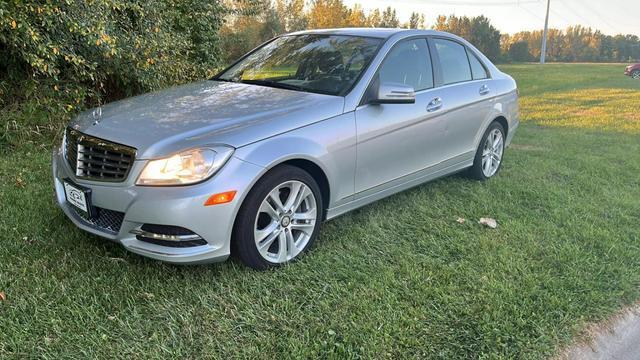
[531,13]
[558,14]
[584,4]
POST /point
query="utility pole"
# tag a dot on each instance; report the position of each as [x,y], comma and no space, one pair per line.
[543,52]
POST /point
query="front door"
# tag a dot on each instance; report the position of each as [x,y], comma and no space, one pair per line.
[397,140]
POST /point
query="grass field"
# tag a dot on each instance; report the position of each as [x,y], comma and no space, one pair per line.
[400,278]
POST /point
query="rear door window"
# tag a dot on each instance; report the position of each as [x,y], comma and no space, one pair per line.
[454,63]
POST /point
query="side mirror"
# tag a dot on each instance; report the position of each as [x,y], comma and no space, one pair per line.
[394,93]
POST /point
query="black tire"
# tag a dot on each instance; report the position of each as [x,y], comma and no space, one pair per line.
[243,240]
[475,171]
[636,74]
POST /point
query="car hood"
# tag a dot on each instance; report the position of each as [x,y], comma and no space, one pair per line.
[204,113]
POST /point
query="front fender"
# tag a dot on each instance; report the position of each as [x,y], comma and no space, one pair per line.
[330,144]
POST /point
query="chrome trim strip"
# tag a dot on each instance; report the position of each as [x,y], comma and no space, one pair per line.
[176,238]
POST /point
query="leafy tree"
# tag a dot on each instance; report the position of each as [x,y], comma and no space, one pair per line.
[374,19]
[129,47]
[356,17]
[291,14]
[416,21]
[389,18]
[327,14]
[519,51]
[477,30]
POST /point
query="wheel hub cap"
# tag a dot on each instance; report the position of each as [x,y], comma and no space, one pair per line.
[285,221]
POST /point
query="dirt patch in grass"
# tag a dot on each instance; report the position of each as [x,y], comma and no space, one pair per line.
[526,147]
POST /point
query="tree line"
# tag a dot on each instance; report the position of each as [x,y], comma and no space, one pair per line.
[254,21]
[132,47]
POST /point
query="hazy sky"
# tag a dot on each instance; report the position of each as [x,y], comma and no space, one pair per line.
[609,16]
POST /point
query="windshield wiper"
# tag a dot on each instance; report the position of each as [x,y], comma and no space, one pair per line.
[274,84]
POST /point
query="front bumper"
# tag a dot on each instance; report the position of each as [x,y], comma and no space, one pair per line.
[181,206]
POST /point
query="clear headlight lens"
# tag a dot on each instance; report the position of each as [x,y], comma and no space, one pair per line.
[187,167]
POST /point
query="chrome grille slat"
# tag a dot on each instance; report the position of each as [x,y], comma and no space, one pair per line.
[99,170]
[97,159]
[121,157]
[90,160]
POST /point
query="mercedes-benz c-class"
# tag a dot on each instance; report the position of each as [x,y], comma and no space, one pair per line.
[304,128]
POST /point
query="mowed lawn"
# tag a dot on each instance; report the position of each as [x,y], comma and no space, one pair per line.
[399,278]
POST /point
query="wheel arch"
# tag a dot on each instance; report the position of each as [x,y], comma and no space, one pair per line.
[502,121]
[312,168]
[496,117]
[317,173]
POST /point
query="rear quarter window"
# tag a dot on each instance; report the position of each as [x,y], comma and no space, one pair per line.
[478,70]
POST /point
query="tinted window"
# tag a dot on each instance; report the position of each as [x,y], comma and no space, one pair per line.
[478,71]
[408,63]
[328,64]
[453,61]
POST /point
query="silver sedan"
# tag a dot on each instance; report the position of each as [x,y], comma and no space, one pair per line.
[307,127]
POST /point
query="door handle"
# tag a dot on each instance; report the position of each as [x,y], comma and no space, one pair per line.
[435,104]
[484,90]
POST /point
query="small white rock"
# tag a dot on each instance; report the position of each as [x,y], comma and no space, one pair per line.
[488,222]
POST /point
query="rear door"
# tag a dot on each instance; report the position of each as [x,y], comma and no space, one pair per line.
[465,87]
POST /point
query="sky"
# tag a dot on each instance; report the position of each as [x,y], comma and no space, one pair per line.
[510,16]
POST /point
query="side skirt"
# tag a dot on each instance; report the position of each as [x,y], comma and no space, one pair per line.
[406,182]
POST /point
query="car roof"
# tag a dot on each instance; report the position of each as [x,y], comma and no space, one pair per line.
[382,33]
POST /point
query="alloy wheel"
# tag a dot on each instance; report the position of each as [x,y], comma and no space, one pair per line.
[492,153]
[285,221]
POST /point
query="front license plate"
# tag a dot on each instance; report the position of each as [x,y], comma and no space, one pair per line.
[78,197]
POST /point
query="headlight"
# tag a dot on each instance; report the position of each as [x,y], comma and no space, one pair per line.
[187,167]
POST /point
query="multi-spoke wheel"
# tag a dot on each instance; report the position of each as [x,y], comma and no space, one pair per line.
[285,221]
[636,74]
[489,154]
[492,153]
[279,218]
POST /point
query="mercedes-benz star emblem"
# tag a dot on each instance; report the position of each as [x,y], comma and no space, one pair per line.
[97,114]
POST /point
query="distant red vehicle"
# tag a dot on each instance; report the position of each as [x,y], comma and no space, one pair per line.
[633,71]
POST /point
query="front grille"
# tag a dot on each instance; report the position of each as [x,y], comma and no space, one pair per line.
[96,159]
[106,220]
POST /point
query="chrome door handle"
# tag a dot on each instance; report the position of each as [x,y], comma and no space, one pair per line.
[435,104]
[484,90]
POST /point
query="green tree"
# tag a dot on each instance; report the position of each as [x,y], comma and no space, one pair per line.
[130,47]
[389,18]
[416,21]
[519,51]
[477,30]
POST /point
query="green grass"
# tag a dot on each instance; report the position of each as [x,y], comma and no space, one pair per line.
[399,278]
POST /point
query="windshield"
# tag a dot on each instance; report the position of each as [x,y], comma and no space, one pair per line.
[327,64]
